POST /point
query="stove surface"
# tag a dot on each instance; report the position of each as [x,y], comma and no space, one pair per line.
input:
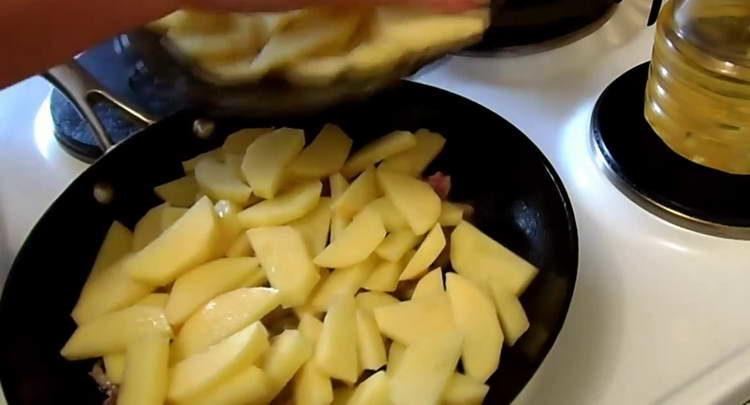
[658,310]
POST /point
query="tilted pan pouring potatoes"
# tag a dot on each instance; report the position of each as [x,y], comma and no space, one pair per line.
[310,259]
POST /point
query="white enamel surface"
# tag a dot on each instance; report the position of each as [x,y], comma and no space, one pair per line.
[660,314]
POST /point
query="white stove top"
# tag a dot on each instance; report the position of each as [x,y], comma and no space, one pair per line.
[660,314]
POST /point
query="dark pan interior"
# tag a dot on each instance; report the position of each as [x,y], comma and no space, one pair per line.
[519,201]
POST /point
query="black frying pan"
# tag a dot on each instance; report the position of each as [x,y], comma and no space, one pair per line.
[518,199]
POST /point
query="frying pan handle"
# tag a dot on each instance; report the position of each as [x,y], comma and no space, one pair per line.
[81,88]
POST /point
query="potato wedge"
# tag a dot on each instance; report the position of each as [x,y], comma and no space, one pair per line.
[356,242]
[228,224]
[395,354]
[267,157]
[511,313]
[289,351]
[450,214]
[338,185]
[220,181]
[463,390]
[336,351]
[149,227]
[114,365]
[369,300]
[178,193]
[315,226]
[158,300]
[430,284]
[384,277]
[370,345]
[375,390]
[238,141]
[361,192]
[145,379]
[324,156]
[396,244]
[240,247]
[414,199]
[170,215]
[415,160]
[409,321]
[288,206]
[343,281]
[426,254]
[188,166]
[379,149]
[310,327]
[248,386]
[392,218]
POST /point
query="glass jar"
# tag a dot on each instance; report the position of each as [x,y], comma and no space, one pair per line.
[698,94]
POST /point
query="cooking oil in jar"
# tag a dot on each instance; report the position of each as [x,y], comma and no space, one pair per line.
[698,94]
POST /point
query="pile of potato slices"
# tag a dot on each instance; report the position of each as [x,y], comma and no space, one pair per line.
[315,46]
[282,272]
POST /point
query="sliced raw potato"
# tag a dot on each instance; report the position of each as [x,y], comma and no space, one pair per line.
[356,242]
[377,150]
[336,351]
[324,156]
[338,185]
[235,39]
[396,244]
[115,246]
[228,223]
[415,160]
[375,390]
[267,157]
[430,284]
[158,300]
[314,226]
[178,193]
[221,182]
[170,215]
[409,321]
[510,311]
[234,161]
[288,352]
[395,354]
[362,191]
[110,290]
[450,214]
[475,317]
[114,365]
[189,165]
[190,20]
[370,345]
[240,247]
[428,251]
[341,395]
[288,206]
[237,142]
[392,218]
[187,243]
[221,317]
[198,286]
[311,386]
[248,386]
[369,300]
[414,199]
[343,281]
[384,277]
[425,368]
[149,227]
[463,390]
[145,379]
[483,260]
[111,333]
[310,327]
[286,262]
[202,370]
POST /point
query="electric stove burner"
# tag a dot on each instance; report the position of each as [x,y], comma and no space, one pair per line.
[529,26]
[643,167]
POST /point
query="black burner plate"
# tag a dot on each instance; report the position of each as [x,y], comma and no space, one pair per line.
[650,173]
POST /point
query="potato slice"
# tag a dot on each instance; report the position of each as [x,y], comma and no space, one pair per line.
[238,141]
[336,352]
[248,386]
[310,327]
[178,193]
[375,390]
[475,317]
[149,227]
[409,321]
[311,387]
[158,300]
[355,243]
[145,378]
[377,150]
[392,218]
[342,395]
[220,182]
[187,243]
[235,39]
[415,160]
[384,277]
[463,390]
[414,199]
[370,345]
[221,317]
[114,365]
[425,369]
[343,281]
[198,286]
[203,370]
[483,260]
[428,251]
[228,224]
[192,20]
[395,354]
[314,226]
[289,351]
[369,300]
[240,247]
[286,262]
[430,284]
[450,214]
[338,222]
[324,156]
[112,289]
[288,206]
[170,215]
[510,311]
[267,157]
[188,166]
[111,333]
[396,244]
[362,191]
